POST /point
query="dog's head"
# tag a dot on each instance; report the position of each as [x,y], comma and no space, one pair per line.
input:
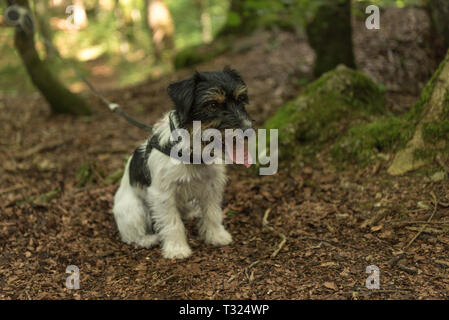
[216,98]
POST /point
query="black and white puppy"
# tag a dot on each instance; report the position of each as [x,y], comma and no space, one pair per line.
[156,194]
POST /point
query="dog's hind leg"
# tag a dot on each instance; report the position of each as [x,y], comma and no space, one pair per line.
[133,217]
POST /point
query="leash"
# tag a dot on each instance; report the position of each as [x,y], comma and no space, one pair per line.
[19,16]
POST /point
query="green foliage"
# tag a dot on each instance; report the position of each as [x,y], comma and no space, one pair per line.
[187,20]
[393,3]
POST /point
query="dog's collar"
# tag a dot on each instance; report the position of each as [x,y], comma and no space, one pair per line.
[153,142]
[172,125]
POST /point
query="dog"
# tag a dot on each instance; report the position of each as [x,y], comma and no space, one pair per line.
[157,194]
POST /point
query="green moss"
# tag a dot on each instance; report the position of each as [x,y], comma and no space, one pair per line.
[445,112]
[424,154]
[323,111]
[364,141]
[415,114]
[436,131]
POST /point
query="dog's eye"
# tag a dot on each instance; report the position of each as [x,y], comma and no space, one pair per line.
[212,104]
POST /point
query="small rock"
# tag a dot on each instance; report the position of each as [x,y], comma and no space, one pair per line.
[330,285]
[438,176]
[422,205]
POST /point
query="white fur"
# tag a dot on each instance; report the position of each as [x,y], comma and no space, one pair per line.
[177,191]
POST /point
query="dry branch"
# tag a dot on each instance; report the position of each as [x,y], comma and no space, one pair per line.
[44,146]
[280,234]
[435,202]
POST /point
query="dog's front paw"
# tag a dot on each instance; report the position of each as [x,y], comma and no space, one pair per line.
[176,251]
[218,237]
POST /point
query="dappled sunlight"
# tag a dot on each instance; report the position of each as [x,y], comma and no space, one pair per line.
[90,53]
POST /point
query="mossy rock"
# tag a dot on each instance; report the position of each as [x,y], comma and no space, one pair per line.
[363,142]
[324,110]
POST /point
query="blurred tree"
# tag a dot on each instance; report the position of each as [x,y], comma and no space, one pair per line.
[43,21]
[330,35]
[160,24]
[61,100]
[206,23]
[439,12]
[235,22]
[245,16]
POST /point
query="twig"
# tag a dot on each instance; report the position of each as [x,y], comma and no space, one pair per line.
[41,147]
[443,204]
[403,223]
[280,234]
[317,239]
[435,202]
[160,281]
[407,269]
[244,270]
[13,188]
[396,259]
[374,219]
[442,262]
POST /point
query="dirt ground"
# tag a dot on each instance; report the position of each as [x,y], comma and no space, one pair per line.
[335,223]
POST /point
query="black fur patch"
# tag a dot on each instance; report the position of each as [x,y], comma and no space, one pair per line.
[139,174]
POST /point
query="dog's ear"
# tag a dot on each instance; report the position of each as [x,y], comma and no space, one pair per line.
[233,73]
[182,94]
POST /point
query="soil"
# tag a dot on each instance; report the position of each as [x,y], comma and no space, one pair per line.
[336,223]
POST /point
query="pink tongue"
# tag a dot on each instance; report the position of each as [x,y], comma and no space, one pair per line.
[247,159]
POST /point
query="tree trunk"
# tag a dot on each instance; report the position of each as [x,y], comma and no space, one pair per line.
[43,19]
[431,136]
[61,100]
[330,35]
[439,12]
[206,23]
[237,22]
[162,28]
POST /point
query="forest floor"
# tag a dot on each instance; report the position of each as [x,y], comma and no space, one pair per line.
[336,223]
